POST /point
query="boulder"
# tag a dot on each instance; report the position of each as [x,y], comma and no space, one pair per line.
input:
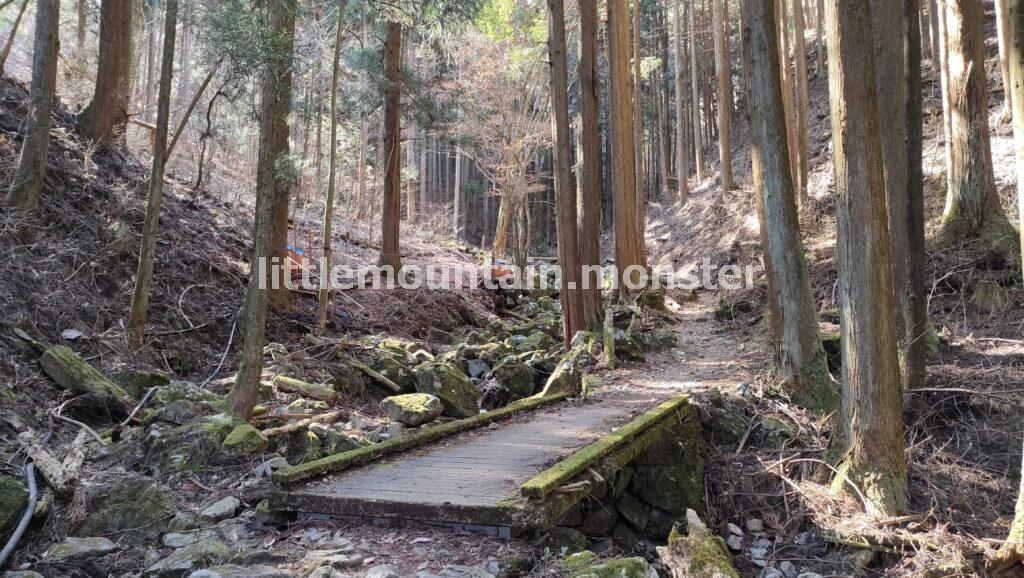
[178,412]
[133,505]
[515,376]
[187,560]
[536,341]
[73,373]
[655,339]
[444,381]
[381,571]
[222,509]
[236,571]
[617,568]
[579,560]
[457,358]
[333,441]
[632,510]
[72,549]
[477,368]
[626,347]
[413,409]
[394,370]
[439,336]
[13,501]
[775,433]
[186,390]
[137,382]
[600,521]
[699,554]
[244,440]
[989,296]
[561,542]
[342,558]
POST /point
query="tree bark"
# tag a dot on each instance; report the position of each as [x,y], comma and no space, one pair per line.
[889,27]
[799,356]
[285,178]
[682,152]
[185,56]
[589,163]
[782,13]
[275,103]
[723,70]
[332,169]
[638,115]
[1002,37]
[629,244]
[152,24]
[972,205]
[390,254]
[6,51]
[698,139]
[565,187]
[457,216]
[819,30]
[917,256]
[139,313]
[82,25]
[800,66]
[27,185]
[867,438]
[410,189]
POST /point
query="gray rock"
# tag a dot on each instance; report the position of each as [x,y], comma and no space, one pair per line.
[78,548]
[734,529]
[177,412]
[336,559]
[809,575]
[270,466]
[788,568]
[23,574]
[134,505]
[222,509]
[184,561]
[257,557]
[755,525]
[412,409]
[395,429]
[477,368]
[734,542]
[382,571]
[327,572]
[179,539]
[455,571]
[236,571]
[13,501]
[771,573]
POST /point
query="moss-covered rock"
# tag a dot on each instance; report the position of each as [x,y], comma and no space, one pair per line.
[538,340]
[456,358]
[775,433]
[391,368]
[439,336]
[444,381]
[989,296]
[616,568]
[656,339]
[137,382]
[670,474]
[184,561]
[515,376]
[632,510]
[699,554]
[73,373]
[561,541]
[133,505]
[13,501]
[626,347]
[412,409]
[244,440]
[186,390]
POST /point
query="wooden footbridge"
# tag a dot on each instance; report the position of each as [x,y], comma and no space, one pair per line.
[519,467]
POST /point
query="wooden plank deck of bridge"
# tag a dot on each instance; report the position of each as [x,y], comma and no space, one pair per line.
[473,478]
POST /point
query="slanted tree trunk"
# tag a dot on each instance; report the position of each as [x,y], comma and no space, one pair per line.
[800,75]
[799,356]
[139,313]
[275,96]
[629,243]
[1002,31]
[867,437]
[390,253]
[27,185]
[917,291]
[565,187]
[723,70]
[6,51]
[889,26]
[698,139]
[332,170]
[682,152]
[1012,551]
[972,204]
[185,56]
[589,163]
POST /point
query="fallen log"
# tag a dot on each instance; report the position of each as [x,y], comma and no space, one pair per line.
[323,418]
[60,475]
[310,390]
[377,377]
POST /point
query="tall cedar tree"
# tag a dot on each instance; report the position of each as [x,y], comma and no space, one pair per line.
[589,163]
[106,116]
[275,97]
[799,356]
[698,139]
[682,153]
[1012,551]
[800,64]
[285,175]
[723,70]
[27,185]
[565,185]
[147,253]
[972,203]
[867,440]
[390,253]
[332,169]
[917,291]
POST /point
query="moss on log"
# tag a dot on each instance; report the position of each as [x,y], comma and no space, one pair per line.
[343,460]
[73,373]
[310,390]
[553,478]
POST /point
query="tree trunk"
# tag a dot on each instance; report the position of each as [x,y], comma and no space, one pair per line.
[332,169]
[361,169]
[1002,31]
[889,27]
[185,56]
[638,115]
[285,177]
[629,244]
[152,24]
[589,163]
[390,254]
[27,185]
[565,186]
[698,139]
[799,356]
[972,205]
[82,23]
[867,439]
[917,256]
[782,13]
[6,51]
[819,30]
[723,69]
[457,216]
[682,153]
[139,313]
[800,66]
[936,35]
[410,189]
[275,97]
[664,89]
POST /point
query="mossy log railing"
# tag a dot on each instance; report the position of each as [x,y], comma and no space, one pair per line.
[553,478]
[340,461]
